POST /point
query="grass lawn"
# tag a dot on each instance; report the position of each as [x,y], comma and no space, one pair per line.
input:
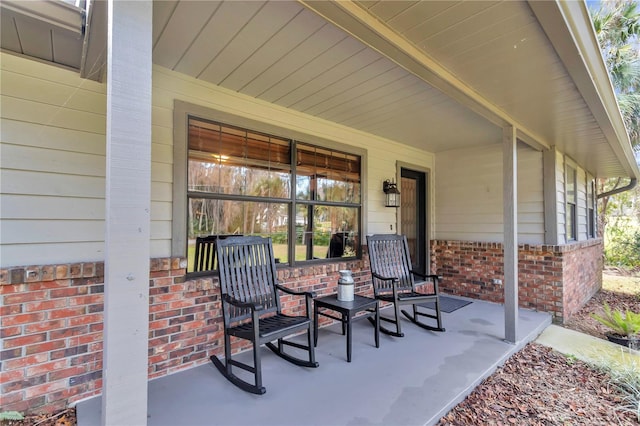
[628,284]
[279,251]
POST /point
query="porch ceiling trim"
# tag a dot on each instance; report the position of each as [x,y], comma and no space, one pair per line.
[568,26]
[94,46]
[56,13]
[362,25]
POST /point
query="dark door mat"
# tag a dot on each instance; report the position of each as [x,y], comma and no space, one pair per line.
[447,304]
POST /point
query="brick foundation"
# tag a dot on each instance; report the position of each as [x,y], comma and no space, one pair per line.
[554,279]
[52,322]
[52,316]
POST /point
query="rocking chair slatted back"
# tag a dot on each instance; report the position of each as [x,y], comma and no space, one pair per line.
[389,257]
[247,274]
[205,253]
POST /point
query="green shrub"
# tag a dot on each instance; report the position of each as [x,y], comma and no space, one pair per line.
[623,246]
[627,324]
[279,237]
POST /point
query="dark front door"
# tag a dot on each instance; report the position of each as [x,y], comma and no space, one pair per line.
[413,220]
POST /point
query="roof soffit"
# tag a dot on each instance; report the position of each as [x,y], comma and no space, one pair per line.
[568,26]
[470,41]
[57,32]
[285,54]
[366,27]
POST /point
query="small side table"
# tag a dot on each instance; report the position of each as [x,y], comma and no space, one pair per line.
[348,311]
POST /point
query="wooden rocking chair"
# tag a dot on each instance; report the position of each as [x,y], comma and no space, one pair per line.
[205,256]
[393,282]
[251,308]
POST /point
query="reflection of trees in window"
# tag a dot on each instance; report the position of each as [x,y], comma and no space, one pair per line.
[240,182]
[328,192]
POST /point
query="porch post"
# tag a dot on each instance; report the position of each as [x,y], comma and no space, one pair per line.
[128,183]
[510,244]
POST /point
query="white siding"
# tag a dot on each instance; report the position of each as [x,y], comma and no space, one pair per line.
[468,185]
[169,86]
[52,151]
[52,169]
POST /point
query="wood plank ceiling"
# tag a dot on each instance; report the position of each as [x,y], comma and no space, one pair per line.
[282,53]
[285,54]
[499,49]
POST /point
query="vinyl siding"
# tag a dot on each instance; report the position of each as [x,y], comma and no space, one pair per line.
[52,146]
[169,86]
[468,184]
[52,170]
[52,173]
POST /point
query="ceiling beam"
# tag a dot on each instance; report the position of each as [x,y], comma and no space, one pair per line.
[368,29]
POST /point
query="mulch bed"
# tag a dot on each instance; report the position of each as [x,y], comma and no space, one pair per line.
[61,418]
[582,320]
[538,386]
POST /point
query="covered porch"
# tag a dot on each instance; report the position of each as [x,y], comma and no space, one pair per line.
[494,97]
[412,380]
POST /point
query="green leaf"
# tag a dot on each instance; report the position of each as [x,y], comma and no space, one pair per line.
[11,415]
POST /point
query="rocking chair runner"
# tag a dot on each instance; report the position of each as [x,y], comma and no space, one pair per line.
[393,281]
[251,308]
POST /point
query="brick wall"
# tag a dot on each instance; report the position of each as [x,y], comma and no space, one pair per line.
[583,265]
[51,316]
[51,325]
[554,279]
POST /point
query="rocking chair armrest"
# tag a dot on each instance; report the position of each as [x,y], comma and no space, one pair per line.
[434,277]
[311,294]
[308,296]
[380,277]
[239,304]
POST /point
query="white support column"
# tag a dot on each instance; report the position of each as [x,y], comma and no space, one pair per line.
[128,191]
[510,205]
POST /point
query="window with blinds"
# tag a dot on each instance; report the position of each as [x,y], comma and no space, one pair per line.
[241,182]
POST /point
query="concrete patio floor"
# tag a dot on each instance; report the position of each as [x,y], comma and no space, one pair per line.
[413,380]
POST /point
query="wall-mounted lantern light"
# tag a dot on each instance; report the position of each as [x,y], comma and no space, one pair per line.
[392,195]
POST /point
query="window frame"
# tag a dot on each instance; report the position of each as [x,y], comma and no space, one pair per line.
[571,211]
[184,110]
[592,224]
